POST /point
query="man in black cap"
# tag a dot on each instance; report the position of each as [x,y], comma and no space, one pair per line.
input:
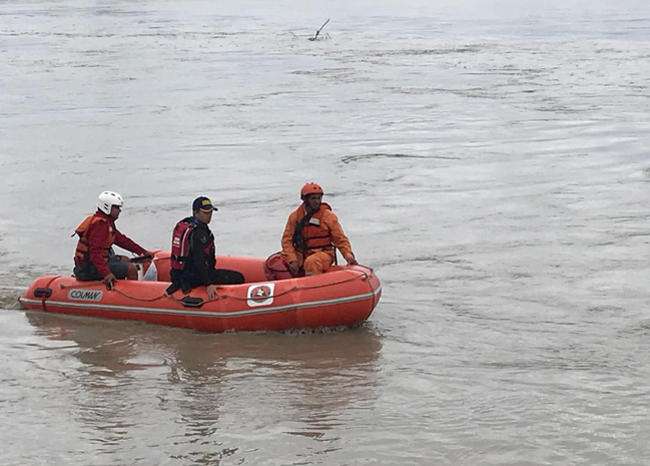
[193,258]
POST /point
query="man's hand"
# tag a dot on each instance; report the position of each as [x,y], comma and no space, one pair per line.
[350,259]
[109,281]
[294,267]
[212,292]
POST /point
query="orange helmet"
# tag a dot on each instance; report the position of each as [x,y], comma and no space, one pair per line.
[310,188]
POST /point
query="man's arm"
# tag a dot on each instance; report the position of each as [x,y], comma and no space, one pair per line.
[197,257]
[288,251]
[97,238]
[127,243]
[339,239]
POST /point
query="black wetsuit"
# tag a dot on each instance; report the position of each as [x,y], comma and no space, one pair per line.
[199,269]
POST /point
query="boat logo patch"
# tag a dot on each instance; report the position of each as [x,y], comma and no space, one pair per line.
[260,294]
[85,295]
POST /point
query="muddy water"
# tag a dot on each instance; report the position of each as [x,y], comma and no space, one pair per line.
[491,164]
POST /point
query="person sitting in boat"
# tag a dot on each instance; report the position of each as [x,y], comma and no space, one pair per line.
[311,235]
[94,257]
[193,258]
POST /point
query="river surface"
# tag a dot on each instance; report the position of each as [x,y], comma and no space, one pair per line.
[490,160]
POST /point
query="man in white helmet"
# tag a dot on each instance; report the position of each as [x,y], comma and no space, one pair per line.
[94,258]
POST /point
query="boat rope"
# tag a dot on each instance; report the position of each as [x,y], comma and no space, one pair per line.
[44,297]
[364,276]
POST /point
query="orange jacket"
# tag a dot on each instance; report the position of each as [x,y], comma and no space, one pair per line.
[329,222]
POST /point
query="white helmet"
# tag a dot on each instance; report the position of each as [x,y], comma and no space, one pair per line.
[108,199]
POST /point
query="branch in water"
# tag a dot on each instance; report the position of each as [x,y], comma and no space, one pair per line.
[319,30]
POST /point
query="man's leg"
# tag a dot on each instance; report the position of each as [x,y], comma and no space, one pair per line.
[228,277]
[131,269]
[318,263]
[86,272]
[120,268]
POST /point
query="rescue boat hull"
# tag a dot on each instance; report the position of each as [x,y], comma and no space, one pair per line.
[345,296]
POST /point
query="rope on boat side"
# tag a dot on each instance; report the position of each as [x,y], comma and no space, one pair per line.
[363,276]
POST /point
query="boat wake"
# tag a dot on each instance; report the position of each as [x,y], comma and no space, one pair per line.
[9,297]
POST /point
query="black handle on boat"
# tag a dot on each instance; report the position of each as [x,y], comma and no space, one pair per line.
[43,292]
[192,301]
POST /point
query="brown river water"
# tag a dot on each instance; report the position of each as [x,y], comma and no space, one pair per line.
[490,162]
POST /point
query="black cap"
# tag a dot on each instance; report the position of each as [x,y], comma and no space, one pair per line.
[202,203]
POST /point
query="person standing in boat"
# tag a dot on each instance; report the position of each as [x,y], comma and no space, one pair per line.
[94,258]
[312,234]
[193,256]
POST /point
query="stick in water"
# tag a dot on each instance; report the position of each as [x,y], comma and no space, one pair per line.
[319,30]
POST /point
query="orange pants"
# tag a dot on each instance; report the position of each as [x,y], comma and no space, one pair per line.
[317,262]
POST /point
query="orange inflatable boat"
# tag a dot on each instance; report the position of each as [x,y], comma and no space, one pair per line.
[344,296]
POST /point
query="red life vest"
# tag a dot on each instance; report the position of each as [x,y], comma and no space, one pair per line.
[81,253]
[181,242]
[316,237]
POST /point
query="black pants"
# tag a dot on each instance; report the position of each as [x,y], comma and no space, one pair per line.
[186,281]
[87,271]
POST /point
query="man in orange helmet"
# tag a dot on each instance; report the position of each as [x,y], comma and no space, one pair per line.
[312,234]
